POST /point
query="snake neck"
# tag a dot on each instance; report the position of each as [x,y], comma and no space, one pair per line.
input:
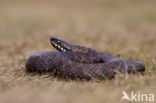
[83,50]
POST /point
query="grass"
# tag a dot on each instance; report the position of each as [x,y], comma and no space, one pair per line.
[122,27]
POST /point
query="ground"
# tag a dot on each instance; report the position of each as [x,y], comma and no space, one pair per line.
[126,28]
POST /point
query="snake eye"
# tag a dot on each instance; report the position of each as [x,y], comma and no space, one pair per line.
[58,41]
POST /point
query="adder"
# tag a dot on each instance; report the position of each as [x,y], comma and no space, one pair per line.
[78,62]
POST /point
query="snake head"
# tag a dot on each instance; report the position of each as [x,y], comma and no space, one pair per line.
[60,44]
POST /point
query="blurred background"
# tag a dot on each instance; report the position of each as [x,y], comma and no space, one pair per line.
[120,27]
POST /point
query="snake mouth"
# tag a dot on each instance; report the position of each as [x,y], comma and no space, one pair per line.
[60,44]
[58,47]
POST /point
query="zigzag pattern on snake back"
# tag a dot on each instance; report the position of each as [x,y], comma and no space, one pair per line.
[77,62]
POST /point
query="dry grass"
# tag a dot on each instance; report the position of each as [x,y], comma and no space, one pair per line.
[120,27]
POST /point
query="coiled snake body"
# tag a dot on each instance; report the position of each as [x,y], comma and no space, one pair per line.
[76,62]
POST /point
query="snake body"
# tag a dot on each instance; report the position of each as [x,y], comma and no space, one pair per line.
[77,62]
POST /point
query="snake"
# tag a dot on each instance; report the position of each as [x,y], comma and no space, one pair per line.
[80,63]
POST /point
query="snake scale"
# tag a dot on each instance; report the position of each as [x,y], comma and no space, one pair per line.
[78,62]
